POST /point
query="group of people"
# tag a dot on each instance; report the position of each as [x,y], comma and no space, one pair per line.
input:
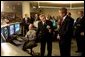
[66,29]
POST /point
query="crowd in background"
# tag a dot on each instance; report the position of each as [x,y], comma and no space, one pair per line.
[64,29]
[47,28]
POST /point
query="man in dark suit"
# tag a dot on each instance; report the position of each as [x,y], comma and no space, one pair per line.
[69,14]
[65,32]
[45,34]
[80,32]
[25,23]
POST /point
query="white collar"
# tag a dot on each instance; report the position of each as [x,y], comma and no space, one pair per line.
[43,22]
[81,17]
[25,18]
[64,17]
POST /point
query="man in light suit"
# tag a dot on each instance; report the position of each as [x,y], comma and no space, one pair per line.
[65,32]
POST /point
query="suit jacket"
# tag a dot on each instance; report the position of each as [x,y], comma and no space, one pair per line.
[66,30]
[24,22]
[43,29]
[79,26]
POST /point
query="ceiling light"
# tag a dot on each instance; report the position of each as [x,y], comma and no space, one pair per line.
[63,2]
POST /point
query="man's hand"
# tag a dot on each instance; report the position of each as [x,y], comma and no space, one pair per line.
[58,37]
[82,33]
[49,30]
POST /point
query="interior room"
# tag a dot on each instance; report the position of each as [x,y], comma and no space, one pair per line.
[14,30]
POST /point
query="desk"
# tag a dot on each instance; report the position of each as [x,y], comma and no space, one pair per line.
[5,25]
[8,49]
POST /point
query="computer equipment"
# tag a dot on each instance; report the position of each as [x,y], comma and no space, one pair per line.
[2,38]
[5,32]
[17,28]
[2,30]
[11,29]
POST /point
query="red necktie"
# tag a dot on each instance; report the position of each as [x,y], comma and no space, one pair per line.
[60,23]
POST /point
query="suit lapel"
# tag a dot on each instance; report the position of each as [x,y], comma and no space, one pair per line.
[41,25]
[64,20]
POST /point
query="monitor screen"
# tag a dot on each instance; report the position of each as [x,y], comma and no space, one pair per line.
[17,27]
[5,32]
[2,30]
[2,38]
[11,29]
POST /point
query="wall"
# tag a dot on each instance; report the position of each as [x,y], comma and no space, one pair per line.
[7,7]
[12,7]
[12,11]
[54,12]
[25,8]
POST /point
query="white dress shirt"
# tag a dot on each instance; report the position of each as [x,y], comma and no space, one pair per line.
[64,17]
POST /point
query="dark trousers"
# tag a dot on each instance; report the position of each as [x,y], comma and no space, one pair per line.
[49,46]
[79,43]
[26,29]
[83,47]
[65,46]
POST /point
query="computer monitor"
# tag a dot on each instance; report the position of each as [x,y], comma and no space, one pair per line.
[11,29]
[2,30]
[5,32]
[2,38]
[17,28]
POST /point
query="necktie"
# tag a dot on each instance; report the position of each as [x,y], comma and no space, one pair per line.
[60,23]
